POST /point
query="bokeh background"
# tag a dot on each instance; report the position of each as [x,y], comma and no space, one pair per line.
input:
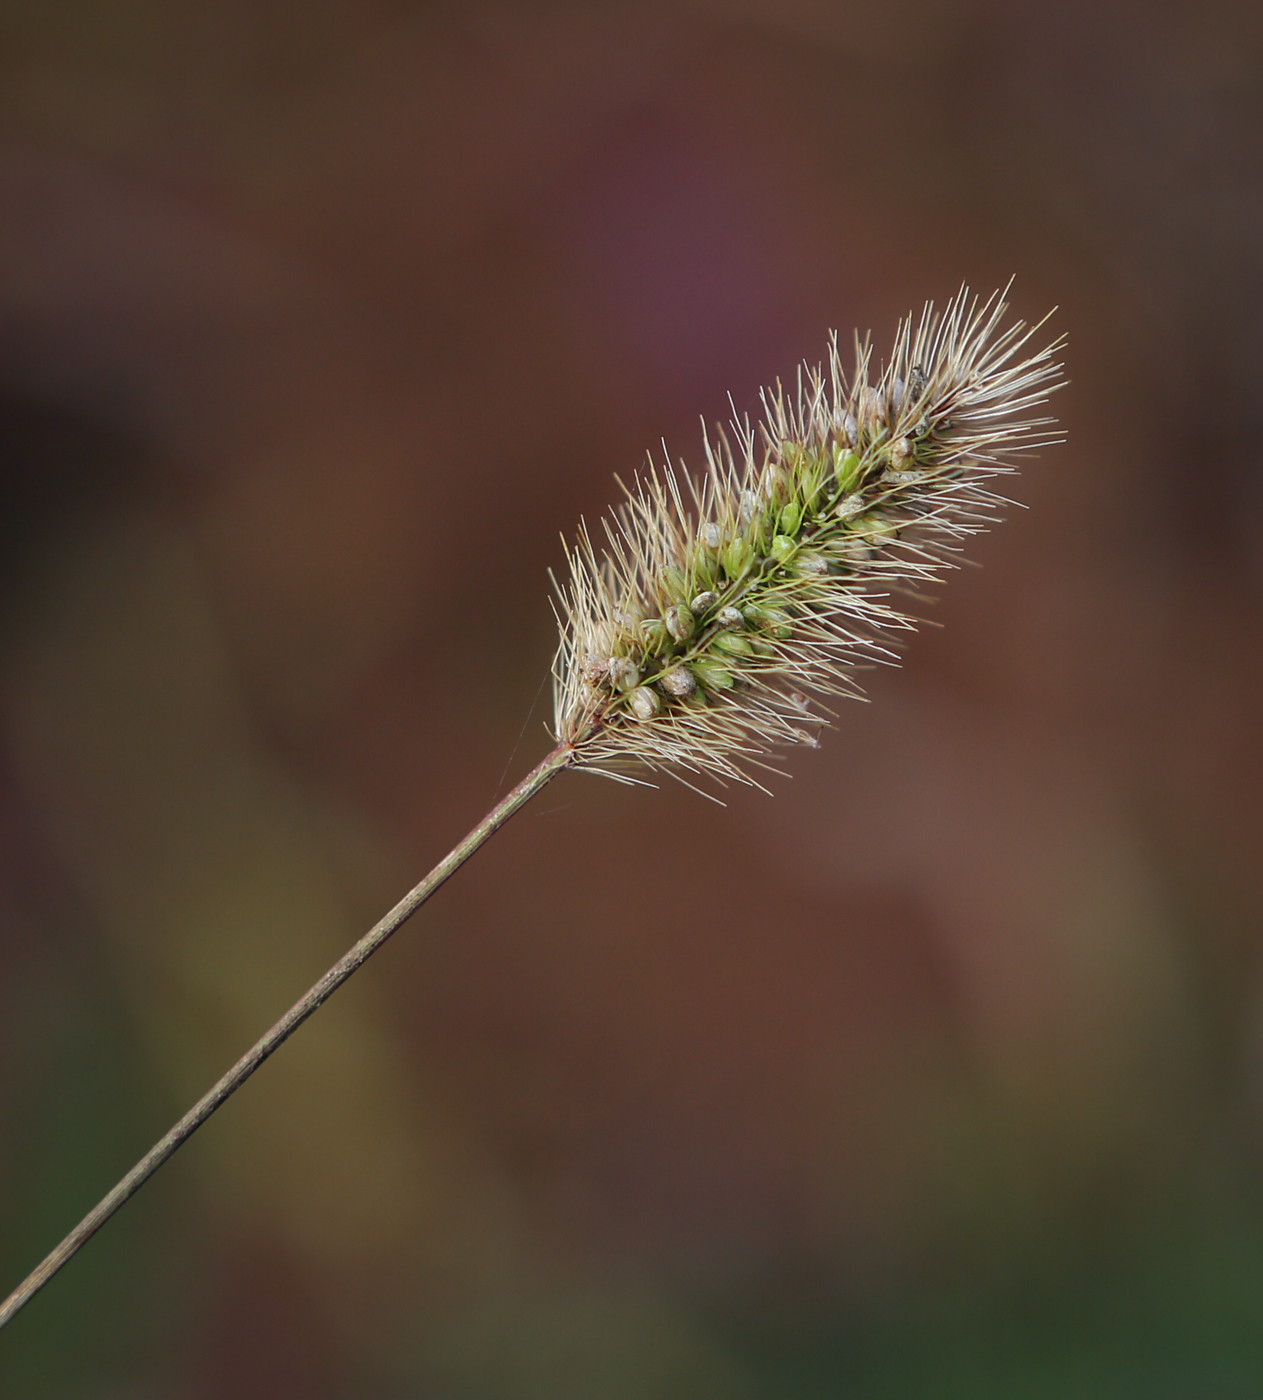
[938,1074]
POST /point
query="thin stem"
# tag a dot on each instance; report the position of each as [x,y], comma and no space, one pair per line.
[283,1029]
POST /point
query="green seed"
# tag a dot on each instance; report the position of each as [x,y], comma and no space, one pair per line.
[772,621]
[782,548]
[713,676]
[810,482]
[791,518]
[737,557]
[680,622]
[847,471]
[808,561]
[873,524]
[624,674]
[733,643]
[673,583]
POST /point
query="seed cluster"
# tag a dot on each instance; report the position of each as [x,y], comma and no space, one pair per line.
[689,641]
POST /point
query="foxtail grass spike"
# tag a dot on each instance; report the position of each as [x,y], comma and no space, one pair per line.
[698,632]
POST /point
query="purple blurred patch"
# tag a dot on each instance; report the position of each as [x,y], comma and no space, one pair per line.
[683,260]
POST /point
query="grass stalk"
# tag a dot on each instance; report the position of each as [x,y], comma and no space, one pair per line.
[270,1042]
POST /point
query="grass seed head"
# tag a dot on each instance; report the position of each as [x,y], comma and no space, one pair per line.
[691,635]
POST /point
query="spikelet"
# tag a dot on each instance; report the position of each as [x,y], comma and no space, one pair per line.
[691,640]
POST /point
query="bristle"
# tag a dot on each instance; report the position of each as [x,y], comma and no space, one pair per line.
[689,637]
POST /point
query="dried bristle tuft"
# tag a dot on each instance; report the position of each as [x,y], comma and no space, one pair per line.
[688,642]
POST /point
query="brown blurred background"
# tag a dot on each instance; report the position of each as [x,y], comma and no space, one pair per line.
[940,1073]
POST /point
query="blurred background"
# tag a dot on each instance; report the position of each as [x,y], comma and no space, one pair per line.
[939,1073]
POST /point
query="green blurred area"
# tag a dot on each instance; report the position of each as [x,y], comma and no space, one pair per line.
[84,1097]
